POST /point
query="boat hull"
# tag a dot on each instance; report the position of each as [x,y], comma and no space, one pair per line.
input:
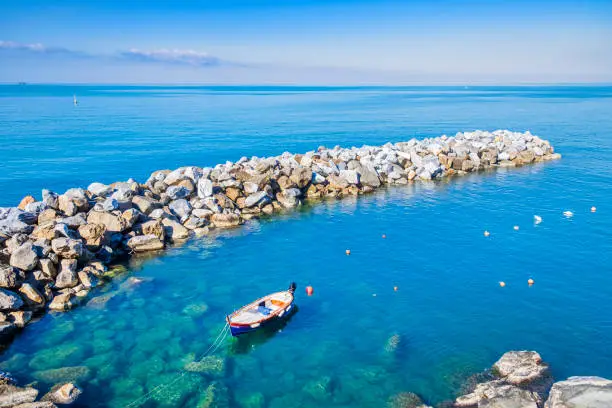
[237,329]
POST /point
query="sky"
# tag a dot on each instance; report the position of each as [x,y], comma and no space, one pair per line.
[302,42]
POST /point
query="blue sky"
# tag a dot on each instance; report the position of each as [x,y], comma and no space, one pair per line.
[306,42]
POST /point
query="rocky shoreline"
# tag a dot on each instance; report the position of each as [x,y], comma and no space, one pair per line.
[520,379]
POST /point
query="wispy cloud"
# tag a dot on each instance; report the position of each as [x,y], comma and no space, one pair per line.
[159,56]
[38,48]
[175,56]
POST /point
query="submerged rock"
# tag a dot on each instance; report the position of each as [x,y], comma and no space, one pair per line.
[63,375]
[406,400]
[211,365]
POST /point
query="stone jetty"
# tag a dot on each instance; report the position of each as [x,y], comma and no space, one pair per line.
[54,249]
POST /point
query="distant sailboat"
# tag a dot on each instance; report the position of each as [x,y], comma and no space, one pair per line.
[75,100]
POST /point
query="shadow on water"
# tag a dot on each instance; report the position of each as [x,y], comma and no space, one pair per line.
[244,343]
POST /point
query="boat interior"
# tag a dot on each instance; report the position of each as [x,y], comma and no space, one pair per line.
[262,308]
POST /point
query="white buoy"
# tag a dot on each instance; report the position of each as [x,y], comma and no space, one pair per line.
[568,214]
[537,219]
[593,209]
[487,233]
[516,227]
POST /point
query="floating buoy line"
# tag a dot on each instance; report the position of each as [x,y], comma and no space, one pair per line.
[221,336]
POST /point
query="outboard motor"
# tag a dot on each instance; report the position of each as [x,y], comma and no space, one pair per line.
[292,287]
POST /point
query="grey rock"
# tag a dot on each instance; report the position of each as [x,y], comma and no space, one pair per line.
[145,204]
[67,248]
[174,231]
[351,176]
[11,396]
[181,208]
[520,367]
[258,198]
[75,221]
[36,207]
[109,204]
[177,192]
[50,199]
[8,277]
[9,300]
[123,194]
[144,243]
[87,279]
[205,188]
[99,189]
[581,392]
[24,257]
[48,268]
[112,222]
[499,394]
[194,222]
[67,276]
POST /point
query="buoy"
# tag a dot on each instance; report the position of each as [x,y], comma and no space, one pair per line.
[502,284]
[348,251]
[395,288]
[568,214]
[384,236]
[537,219]
[374,294]
[593,209]
[487,233]
[516,227]
[530,281]
[309,290]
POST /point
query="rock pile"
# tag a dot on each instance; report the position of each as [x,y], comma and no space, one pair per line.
[53,251]
[523,380]
[26,397]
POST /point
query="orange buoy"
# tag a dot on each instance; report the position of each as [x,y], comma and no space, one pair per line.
[395,288]
[593,209]
[348,251]
[487,233]
[530,281]
[502,284]
[384,236]
[309,290]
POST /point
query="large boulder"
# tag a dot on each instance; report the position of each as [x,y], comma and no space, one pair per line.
[173,230]
[10,300]
[369,177]
[8,277]
[93,234]
[67,276]
[181,208]
[112,222]
[225,220]
[67,248]
[499,394]
[205,188]
[581,392]
[32,296]
[99,189]
[351,176]
[63,394]
[15,221]
[259,198]
[301,176]
[154,227]
[144,243]
[520,367]
[177,192]
[24,257]
[25,201]
[145,204]
[12,396]
[61,302]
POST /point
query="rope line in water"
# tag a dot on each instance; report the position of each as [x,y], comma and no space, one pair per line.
[211,349]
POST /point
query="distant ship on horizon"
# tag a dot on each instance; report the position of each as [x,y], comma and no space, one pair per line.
[21,83]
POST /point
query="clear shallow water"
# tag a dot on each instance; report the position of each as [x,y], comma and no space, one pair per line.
[452,317]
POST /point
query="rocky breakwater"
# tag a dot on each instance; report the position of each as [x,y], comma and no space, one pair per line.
[55,249]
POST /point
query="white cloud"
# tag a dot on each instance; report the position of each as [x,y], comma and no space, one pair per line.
[174,56]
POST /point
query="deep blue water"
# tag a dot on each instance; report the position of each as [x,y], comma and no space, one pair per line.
[452,317]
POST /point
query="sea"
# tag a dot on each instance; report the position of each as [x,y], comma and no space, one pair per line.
[419,310]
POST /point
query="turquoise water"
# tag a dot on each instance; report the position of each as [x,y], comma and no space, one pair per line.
[450,314]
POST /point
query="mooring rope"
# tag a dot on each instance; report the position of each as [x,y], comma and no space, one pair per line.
[211,349]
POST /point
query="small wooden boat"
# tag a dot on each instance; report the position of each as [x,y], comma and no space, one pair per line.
[261,312]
